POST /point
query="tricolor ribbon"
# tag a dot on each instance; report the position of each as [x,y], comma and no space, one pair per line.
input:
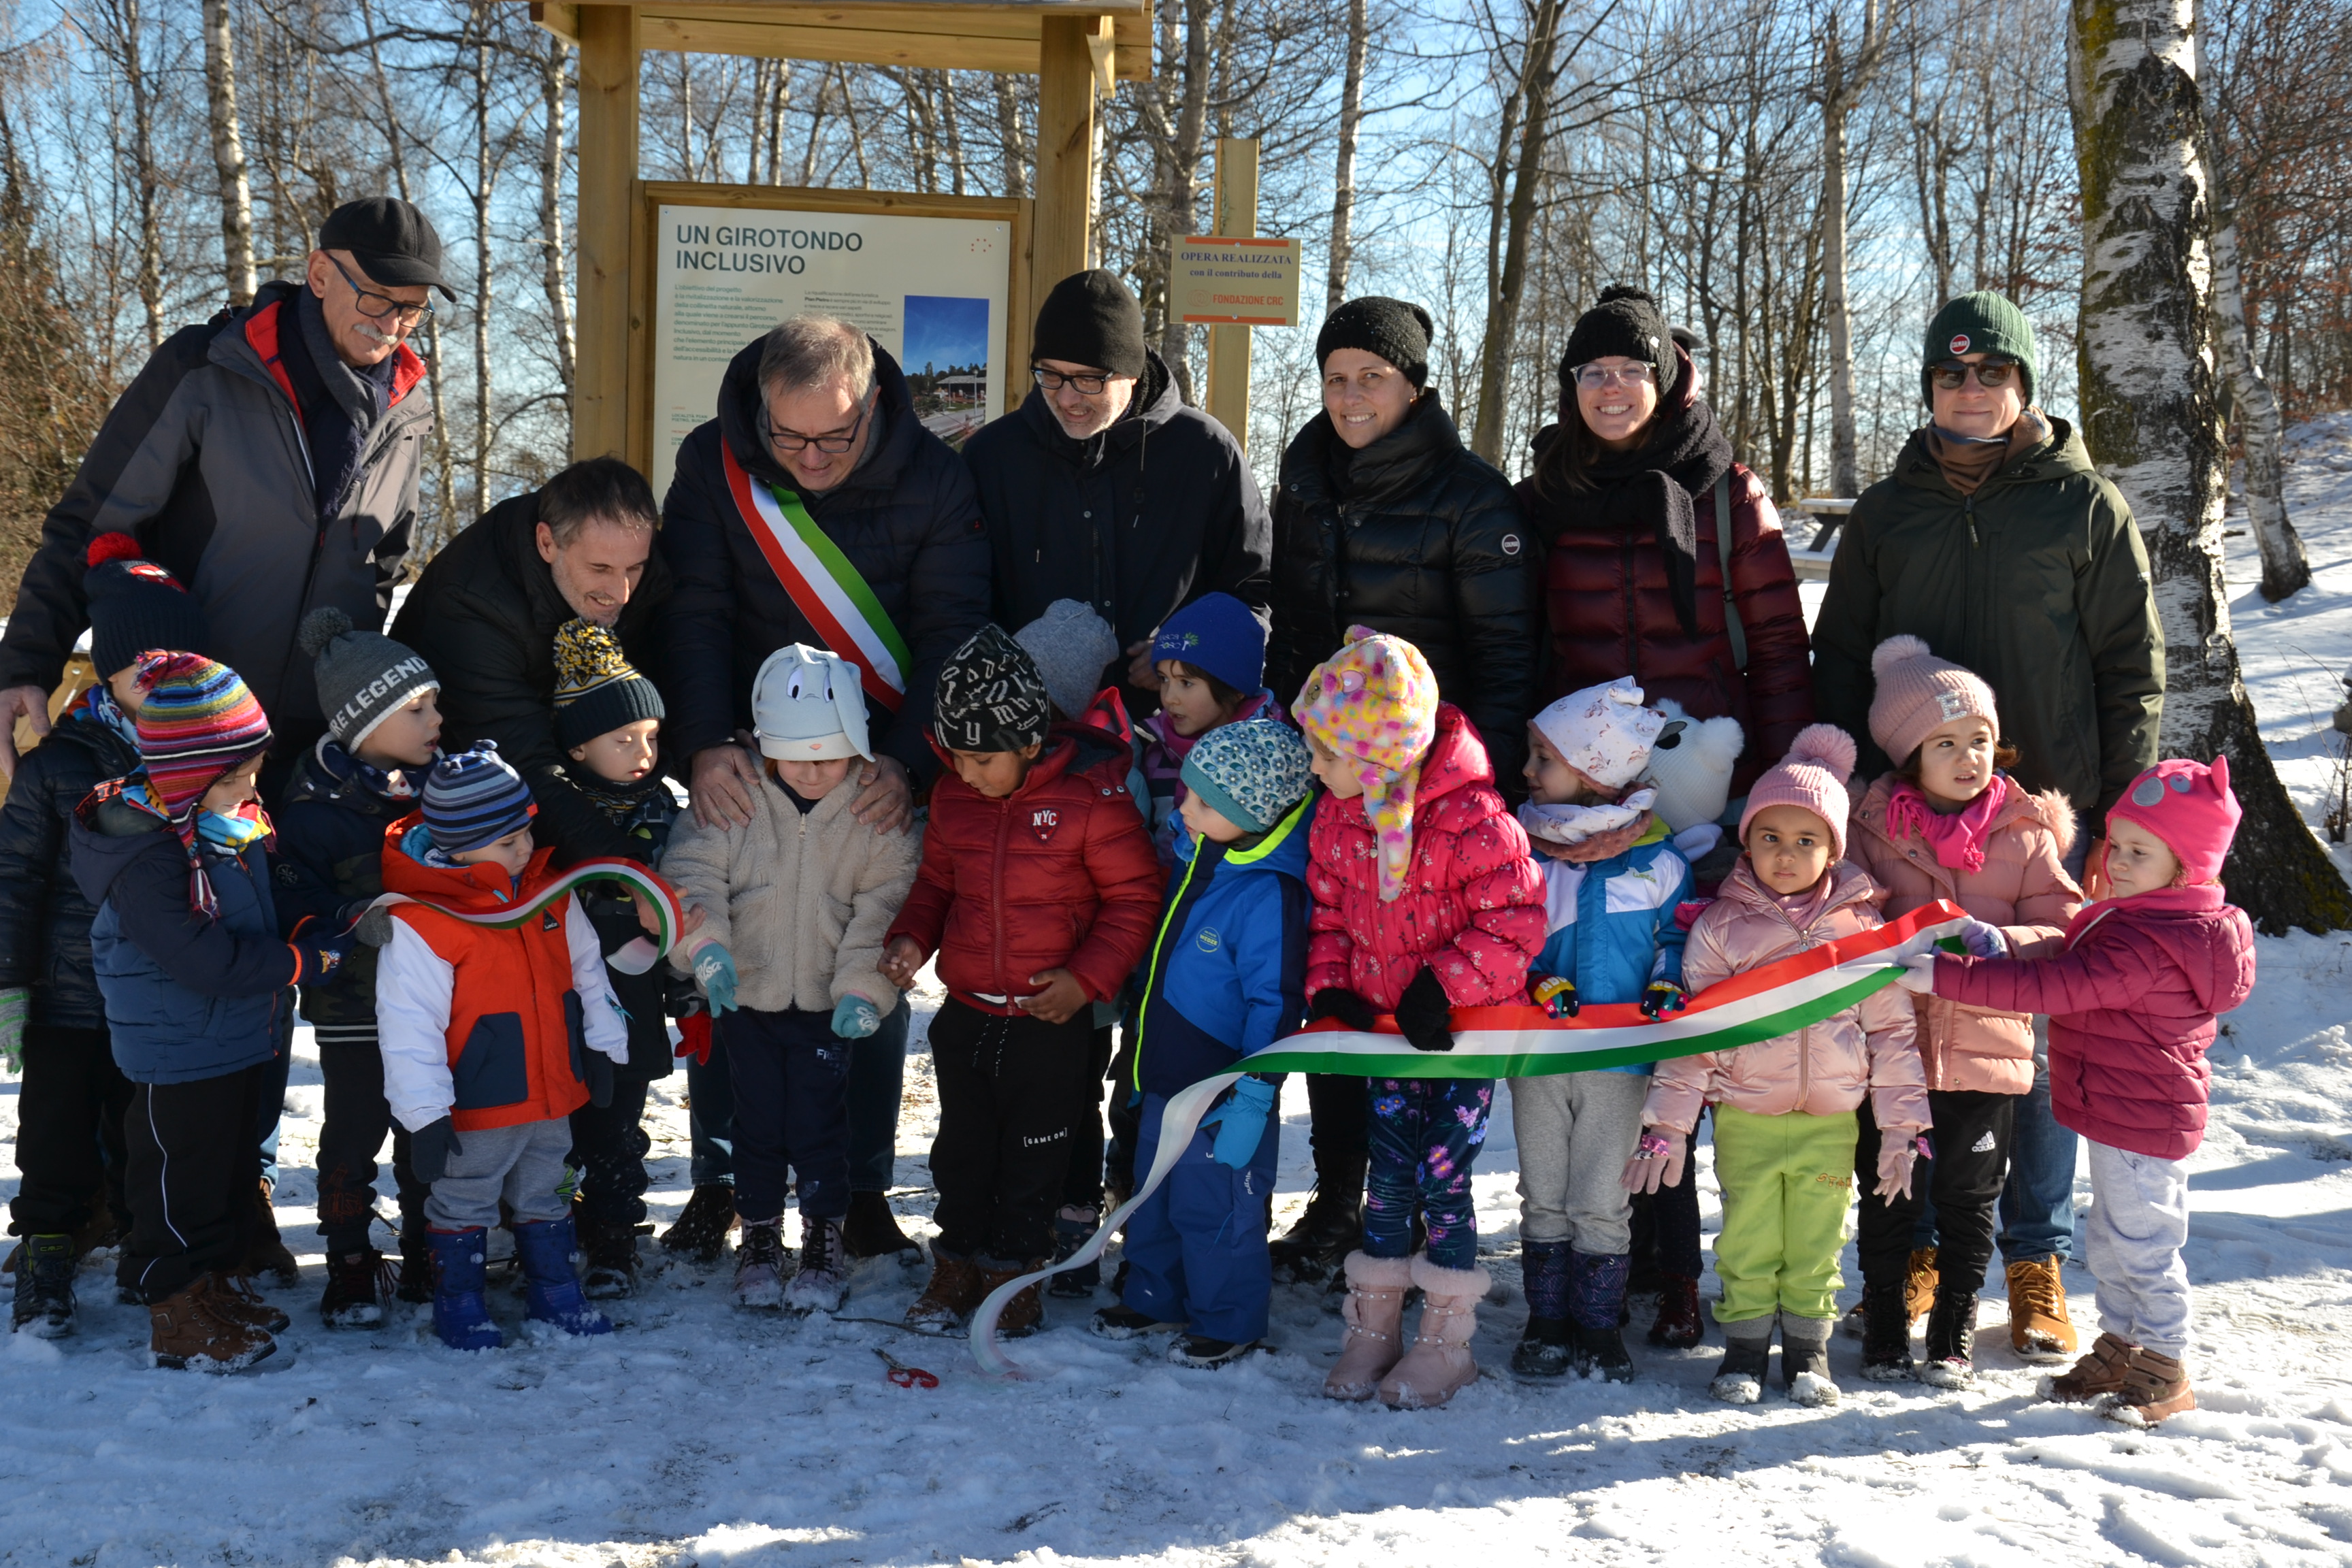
[634,959]
[1523,1041]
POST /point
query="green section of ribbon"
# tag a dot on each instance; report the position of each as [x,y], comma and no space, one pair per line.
[851,580]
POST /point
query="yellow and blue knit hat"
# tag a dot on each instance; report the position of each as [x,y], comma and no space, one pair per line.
[597,689]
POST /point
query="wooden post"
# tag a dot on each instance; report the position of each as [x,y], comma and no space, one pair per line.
[608,172]
[1062,241]
[1229,347]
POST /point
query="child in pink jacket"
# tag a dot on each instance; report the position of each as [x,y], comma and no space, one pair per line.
[1784,1108]
[2132,990]
[1949,823]
[1426,899]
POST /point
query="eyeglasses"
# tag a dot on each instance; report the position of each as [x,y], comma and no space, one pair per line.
[1592,377]
[793,441]
[1992,375]
[1053,381]
[375,307]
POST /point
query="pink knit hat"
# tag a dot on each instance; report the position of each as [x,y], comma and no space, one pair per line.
[1918,693]
[2190,807]
[1812,775]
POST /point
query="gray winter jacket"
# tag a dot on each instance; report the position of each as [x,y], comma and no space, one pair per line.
[204,458]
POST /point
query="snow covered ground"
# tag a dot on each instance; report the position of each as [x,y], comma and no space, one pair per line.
[697,1435]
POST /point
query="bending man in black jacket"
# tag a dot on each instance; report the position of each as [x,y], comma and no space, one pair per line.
[1103,488]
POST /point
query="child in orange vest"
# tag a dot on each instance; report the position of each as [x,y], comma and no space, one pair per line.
[486,1035]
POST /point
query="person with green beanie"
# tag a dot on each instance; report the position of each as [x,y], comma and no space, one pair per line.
[1996,542]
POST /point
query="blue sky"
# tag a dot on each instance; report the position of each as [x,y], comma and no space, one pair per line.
[942,330]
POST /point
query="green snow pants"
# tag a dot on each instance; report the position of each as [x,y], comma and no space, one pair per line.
[1787,1182]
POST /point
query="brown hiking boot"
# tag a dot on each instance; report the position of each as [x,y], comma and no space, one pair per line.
[1025,1313]
[2096,1375]
[1918,1286]
[954,1290]
[268,1253]
[2039,1329]
[236,1296]
[2155,1386]
[190,1332]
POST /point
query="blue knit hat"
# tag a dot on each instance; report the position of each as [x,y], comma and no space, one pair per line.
[1217,635]
[1251,773]
[473,798]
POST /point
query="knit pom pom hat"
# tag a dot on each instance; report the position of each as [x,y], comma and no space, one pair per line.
[1813,776]
[197,722]
[1374,703]
[807,707]
[597,689]
[1251,774]
[363,677]
[473,798]
[136,607]
[1603,731]
[1918,694]
[2190,808]
[1071,646]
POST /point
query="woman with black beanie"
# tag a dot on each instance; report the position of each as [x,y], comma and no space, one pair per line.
[1383,518]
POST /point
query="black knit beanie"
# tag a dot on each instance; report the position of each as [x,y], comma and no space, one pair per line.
[1396,330]
[1625,324]
[136,607]
[990,697]
[1090,317]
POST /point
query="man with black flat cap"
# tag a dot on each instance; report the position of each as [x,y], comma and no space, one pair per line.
[268,460]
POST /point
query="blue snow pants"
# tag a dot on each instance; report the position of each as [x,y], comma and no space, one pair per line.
[1195,1249]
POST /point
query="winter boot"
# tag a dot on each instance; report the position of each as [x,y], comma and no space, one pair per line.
[460,1316]
[872,1230]
[1124,1322]
[1805,1360]
[1951,1340]
[268,1253]
[1205,1355]
[1678,1326]
[2155,1386]
[1597,1303]
[1886,1335]
[44,1293]
[760,1266]
[823,1281]
[356,1283]
[1439,1364]
[1025,1313]
[1746,1358]
[701,1227]
[613,1263]
[189,1333]
[2101,1373]
[953,1291]
[1374,1313]
[1546,1345]
[2039,1329]
[236,1296]
[415,1262]
[1919,1277]
[1069,1235]
[1313,1249]
[552,1291]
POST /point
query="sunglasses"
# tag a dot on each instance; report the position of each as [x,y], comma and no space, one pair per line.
[1992,375]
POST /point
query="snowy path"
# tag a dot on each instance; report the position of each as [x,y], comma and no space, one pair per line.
[696,1437]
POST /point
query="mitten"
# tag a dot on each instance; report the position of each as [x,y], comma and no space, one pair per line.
[1897,1153]
[1424,1014]
[1337,1001]
[15,1002]
[1240,1122]
[1662,996]
[600,1077]
[714,968]
[375,927]
[430,1147]
[1984,940]
[1657,1161]
[854,1017]
[693,1038]
[1556,995]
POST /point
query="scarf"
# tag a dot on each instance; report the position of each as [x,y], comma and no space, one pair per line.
[101,708]
[1652,489]
[628,807]
[229,834]
[342,768]
[1958,836]
[1558,827]
[1970,462]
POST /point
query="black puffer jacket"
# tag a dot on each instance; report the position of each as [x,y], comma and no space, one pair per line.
[905,517]
[1425,541]
[44,917]
[329,856]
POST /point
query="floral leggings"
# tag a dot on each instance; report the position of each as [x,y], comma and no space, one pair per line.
[1425,1134]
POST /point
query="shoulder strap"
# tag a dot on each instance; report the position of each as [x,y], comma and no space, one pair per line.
[1737,631]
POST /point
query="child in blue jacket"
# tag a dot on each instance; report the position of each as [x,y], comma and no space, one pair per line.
[1611,880]
[1223,982]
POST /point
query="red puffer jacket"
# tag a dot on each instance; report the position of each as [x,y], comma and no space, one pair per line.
[1058,875]
[2131,997]
[1473,908]
[1611,614]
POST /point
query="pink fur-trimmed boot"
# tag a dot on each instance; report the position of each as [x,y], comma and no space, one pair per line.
[1374,1313]
[1439,1364]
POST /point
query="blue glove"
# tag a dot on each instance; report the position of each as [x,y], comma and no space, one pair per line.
[1662,996]
[1984,940]
[854,1017]
[714,968]
[1240,1122]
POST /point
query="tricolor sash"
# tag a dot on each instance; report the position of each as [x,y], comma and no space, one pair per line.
[829,592]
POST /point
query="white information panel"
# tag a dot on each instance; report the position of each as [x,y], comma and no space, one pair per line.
[932,290]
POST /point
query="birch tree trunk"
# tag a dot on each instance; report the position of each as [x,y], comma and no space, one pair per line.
[1352,119]
[229,154]
[553,79]
[484,174]
[2285,569]
[1183,193]
[1511,219]
[1014,139]
[2150,414]
[1842,86]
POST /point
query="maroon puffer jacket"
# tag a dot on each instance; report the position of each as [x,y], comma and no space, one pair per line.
[2131,997]
[1610,616]
[1059,874]
[1473,905]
